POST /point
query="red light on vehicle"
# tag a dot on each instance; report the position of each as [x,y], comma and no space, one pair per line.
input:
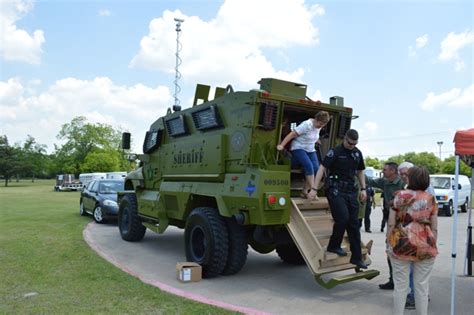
[272,199]
[265,94]
[235,177]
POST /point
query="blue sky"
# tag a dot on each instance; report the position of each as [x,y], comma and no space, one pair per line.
[405,67]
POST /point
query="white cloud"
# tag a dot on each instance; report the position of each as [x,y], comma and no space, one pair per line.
[317,96]
[452,98]
[452,44]
[228,48]
[371,126]
[420,42]
[104,12]
[16,44]
[41,114]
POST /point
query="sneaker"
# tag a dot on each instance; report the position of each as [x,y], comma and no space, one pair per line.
[387,286]
[410,304]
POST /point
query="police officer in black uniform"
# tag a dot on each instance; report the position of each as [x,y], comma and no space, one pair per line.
[342,164]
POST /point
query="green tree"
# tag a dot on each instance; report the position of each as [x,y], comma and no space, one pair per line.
[9,159]
[373,162]
[33,158]
[81,139]
[447,167]
[426,159]
[104,161]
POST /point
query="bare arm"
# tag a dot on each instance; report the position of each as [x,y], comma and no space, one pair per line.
[434,220]
[363,187]
[287,139]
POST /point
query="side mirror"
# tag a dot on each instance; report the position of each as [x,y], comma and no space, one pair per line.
[126,141]
[459,186]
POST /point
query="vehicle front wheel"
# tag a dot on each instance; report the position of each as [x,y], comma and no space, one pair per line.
[82,211]
[207,241]
[130,224]
[465,205]
[448,209]
[99,215]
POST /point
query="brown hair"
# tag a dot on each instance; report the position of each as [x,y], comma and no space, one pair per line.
[322,116]
[418,178]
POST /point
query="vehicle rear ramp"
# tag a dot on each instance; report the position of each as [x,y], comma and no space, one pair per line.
[310,227]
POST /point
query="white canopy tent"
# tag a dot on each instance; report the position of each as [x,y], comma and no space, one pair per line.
[464,149]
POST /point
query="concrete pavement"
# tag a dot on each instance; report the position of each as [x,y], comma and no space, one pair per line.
[267,285]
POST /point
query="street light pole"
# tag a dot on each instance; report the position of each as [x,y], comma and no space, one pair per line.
[440,143]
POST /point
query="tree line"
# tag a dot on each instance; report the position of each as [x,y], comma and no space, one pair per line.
[426,159]
[91,148]
[86,148]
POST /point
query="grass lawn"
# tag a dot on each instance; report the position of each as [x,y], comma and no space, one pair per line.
[46,267]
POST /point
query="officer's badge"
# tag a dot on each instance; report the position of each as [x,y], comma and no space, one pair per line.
[330,153]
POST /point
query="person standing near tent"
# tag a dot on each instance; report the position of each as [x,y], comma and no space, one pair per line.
[412,236]
[403,172]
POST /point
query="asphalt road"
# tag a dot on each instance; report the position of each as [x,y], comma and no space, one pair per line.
[267,285]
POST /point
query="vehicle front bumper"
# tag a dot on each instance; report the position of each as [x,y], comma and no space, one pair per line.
[110,211]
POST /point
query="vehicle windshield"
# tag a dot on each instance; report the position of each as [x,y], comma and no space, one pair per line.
[110,187]
[440,182]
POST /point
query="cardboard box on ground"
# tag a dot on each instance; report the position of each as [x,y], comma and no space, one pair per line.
[189,272]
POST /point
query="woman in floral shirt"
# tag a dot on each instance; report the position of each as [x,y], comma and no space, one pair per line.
[412,235]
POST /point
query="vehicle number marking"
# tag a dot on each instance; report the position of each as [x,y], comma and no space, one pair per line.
[276,182]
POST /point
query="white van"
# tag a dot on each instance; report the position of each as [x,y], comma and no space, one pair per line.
[86,178]
[116,175]
[372,172]
[443,185]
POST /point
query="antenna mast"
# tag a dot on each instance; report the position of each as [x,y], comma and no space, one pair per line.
[177,88]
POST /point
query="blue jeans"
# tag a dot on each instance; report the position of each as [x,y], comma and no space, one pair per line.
[308,160]
[411,294]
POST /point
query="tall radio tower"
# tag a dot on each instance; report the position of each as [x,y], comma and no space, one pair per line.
[177,88]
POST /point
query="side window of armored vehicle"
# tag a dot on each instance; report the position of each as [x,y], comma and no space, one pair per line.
[207,118]
[152,140]
[268,115]
[177,126]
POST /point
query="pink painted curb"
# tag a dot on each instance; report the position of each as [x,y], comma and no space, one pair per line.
[163,286]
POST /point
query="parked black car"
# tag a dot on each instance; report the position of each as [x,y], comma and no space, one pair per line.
[99,199]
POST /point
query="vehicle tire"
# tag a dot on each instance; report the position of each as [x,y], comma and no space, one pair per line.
[238,247]
[207,241]
[130,224]
[290,254]
[448,210]
[82,211]
[98,214]
[465,205]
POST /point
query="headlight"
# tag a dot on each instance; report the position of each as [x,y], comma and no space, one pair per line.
[442,198]
[110,203]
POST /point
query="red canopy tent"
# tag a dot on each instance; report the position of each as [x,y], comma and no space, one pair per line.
[464,145]
[464,149]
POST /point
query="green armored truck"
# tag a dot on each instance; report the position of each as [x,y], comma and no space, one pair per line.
[214,171]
